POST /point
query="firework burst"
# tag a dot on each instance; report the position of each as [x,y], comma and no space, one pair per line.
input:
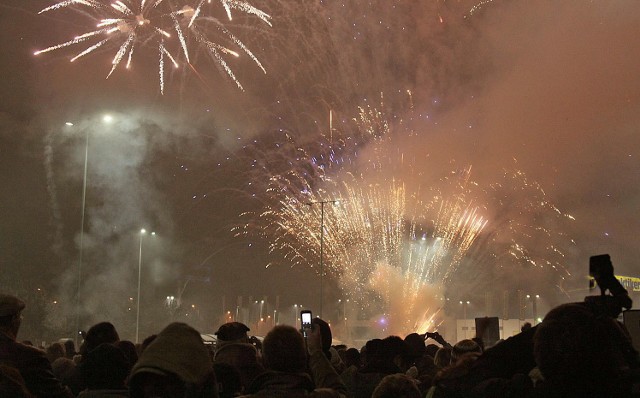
[164,24]
[395,238]
[387,247]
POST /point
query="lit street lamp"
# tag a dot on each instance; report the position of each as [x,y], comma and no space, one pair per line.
[106,119]
[261,307]
[464,308]
[465,324]
[172,305]
[344,313]
[295,315]
[534,307]
[84,200]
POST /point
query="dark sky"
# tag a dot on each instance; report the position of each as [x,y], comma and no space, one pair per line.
[549,88]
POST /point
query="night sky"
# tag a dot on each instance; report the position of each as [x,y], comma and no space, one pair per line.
[547,87]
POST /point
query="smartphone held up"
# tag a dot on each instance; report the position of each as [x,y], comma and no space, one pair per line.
[305,317]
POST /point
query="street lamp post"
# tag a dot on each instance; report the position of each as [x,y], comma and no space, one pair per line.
[142,233]
[465,325]
[344,315]
[84,201]
[521,305]
[535,308]
[295,315]
[346,321]
[321,203]
[261,318]
[106,119]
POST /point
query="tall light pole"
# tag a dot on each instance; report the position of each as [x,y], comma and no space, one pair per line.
[295,316]
[344,313]
[465,327]
[261,318]
[105,119]
[142,233]
[84,201]
[321,203]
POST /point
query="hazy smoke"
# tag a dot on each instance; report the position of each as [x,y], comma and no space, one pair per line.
[552,85]
[123,196]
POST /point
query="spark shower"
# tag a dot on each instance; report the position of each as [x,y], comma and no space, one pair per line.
[397,237]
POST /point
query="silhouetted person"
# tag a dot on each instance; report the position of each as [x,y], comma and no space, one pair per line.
[55,351]
[421,364]
[228,377]
[175,364]
[232,332]
[145,343]
[64,369]
[12,384]
[105,369]
[327,338]
[285,358]
[443,357]
[449,381]
[382,358]
[69,349]
[129,351]
[397,386]
[465,348]
[577,351]
[32,363]
[100,333]
[352,358]
[416,347]
[243,357]
[580,354]
[103,332]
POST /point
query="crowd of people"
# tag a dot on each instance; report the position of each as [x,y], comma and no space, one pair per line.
[576,351]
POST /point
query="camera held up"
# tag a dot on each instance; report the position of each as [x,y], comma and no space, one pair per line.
[601,269]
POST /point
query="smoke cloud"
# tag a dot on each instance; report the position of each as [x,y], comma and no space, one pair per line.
[547,88]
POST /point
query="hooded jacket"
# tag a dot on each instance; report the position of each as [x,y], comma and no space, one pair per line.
[178,350]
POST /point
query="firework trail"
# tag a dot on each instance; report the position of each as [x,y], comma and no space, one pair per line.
[345,52]
[538,222]
[170,27]
[477,7]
